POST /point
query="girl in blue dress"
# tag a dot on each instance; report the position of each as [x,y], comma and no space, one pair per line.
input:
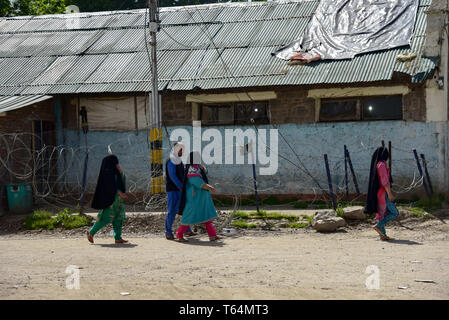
[196,200]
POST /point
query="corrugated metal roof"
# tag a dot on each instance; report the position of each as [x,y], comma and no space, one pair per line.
[205,46]
[10,103]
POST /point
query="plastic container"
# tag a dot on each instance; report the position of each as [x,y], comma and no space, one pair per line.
[20,197]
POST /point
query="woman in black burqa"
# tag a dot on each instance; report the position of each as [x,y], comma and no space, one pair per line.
[379,198]
[108,198]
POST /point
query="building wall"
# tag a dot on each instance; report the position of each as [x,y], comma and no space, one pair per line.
[292,105]
[16,138]
[309,141]
[293,113]
[16,144]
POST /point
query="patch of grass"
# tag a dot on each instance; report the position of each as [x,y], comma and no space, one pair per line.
[243,224]
[300,205]
[296,225]
[340,211]
[418,212]
[280,216]
[241,215]
[40,220]
[66,219]
[272,216]
[308,218]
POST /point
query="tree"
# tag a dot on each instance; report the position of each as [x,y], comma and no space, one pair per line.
[5,8]
[37,7]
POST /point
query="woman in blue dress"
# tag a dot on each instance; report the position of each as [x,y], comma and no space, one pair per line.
[196,200]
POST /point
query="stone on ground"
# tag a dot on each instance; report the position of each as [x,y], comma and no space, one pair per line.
[327,221]
[354,213]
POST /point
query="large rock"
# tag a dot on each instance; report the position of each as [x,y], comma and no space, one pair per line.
[327,221]
[354,213]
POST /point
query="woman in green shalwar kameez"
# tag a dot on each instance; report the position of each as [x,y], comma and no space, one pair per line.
[111,187]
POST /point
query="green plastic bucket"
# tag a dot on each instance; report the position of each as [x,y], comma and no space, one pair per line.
[20,197]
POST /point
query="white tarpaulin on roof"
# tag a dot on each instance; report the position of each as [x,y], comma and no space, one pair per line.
[9,103]
[341,29]
[119,113]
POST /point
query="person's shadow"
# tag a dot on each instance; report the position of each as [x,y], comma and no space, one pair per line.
[401,241]
[205,243]
[117,245]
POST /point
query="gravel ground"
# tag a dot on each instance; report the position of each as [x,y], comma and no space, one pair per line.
[252,264]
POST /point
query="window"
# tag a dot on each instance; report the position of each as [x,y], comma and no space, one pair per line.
[213,115]
[342,110]
[235,113]
[363,108]
[382,108]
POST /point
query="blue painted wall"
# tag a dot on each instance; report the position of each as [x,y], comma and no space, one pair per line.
[309,141]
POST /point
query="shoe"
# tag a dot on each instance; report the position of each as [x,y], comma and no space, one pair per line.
[181,239]
[121,241]
[190,234]
[90,237]
[169,237]
[215,238]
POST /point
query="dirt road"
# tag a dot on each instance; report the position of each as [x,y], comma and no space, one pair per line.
[284,265]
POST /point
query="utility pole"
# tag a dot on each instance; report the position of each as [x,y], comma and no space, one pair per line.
[155,107]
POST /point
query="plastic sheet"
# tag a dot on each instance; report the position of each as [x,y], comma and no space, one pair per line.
[341,29]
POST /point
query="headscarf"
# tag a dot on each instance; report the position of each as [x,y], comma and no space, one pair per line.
[109,182]
[381,154]
[191,170]
[174,157]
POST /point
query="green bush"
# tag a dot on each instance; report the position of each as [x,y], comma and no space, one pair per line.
[45,220]
[40,220]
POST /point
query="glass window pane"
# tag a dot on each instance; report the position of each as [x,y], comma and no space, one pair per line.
[258,111]
[382,108]
[343,110]
[217,115]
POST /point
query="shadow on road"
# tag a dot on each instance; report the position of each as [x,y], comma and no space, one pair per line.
[205,243]
[117,245]
[409,242]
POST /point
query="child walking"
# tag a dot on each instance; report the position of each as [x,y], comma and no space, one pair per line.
[108,198]
[379,198]
[196,201]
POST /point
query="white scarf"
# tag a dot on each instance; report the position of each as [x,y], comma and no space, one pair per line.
[174,153]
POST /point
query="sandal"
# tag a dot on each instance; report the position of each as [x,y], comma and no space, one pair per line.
[121,241]
[182,239]
[385,238]
[215,238]
[377,229]
[90,237]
